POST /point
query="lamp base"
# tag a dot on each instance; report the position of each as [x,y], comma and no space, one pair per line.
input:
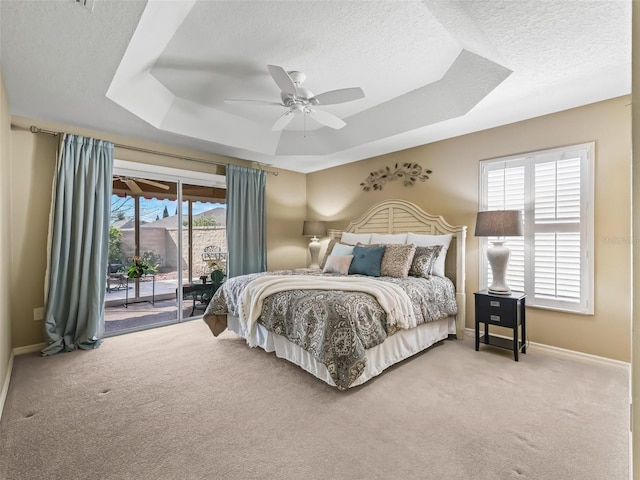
[314,250]
[499,292]
[498,255]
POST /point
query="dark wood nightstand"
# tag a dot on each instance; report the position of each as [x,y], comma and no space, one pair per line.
[505,311]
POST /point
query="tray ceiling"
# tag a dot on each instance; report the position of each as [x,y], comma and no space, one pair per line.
[161,70]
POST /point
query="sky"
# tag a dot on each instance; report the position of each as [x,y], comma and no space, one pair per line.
[153,209]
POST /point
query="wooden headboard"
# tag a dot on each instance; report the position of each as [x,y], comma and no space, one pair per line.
[400,216]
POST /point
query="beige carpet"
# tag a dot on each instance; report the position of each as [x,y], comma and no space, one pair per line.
[177,403]
[119,319]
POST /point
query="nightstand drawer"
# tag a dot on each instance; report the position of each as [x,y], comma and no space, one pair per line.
[496,304]
[497,317]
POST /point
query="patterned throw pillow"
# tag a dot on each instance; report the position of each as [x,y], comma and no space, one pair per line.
[338,264]
[366,261]
[429,240]
[397,260]
[423,261]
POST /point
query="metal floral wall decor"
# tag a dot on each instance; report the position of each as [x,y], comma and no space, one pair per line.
[409,173]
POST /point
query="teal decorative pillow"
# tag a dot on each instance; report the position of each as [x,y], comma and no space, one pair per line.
[366,261]
[424,260]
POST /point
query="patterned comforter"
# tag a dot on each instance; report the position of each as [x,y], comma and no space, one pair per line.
[335,326]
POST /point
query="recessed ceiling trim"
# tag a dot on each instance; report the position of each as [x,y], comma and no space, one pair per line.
[133,87]
[469,79]
[200,121]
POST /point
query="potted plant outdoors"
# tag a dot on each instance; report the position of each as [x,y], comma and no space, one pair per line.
[217,277]
[140,267]
[217,273]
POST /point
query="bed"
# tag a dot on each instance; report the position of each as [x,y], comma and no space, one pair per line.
[346,329]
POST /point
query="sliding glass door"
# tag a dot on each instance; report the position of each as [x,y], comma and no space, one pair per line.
[204,236]
[160,255]
[204,221]
[142,277]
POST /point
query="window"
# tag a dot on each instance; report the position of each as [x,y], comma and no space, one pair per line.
[553,262]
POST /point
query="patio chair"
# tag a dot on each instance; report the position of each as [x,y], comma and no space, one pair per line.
[203,295]
[214,252]
[211,252]
[115,280]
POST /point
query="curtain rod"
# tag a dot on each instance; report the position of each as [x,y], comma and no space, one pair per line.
[34,129]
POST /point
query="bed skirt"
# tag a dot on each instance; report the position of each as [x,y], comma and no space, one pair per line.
[394,349]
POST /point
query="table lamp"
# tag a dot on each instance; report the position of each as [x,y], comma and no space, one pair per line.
[499,223]
[314,229]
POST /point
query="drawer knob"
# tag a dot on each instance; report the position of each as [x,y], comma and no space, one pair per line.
[494,303]
[495,318]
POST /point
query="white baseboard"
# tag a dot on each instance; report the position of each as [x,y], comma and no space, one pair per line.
[562,352]
[29,349]
[16,351]
[5,384]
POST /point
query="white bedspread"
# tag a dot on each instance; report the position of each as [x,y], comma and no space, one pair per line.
[393,300]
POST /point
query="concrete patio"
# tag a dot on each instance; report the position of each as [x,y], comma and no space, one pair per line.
[155,305]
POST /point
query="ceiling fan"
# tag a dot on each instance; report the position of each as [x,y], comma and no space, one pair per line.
[132,183]
[298,100]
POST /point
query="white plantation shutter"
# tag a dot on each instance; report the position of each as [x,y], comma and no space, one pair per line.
[506,192]
[551,263]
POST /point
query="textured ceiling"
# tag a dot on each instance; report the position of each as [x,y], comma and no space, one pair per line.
[432,69]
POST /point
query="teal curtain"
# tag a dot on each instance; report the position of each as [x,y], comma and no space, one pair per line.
[246,224]
[78,245]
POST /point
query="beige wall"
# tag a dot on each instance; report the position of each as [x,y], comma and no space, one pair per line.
[335,195]
[33,160]
[5,244]
[286,209]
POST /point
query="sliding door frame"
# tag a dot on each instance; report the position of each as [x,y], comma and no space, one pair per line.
[173,175]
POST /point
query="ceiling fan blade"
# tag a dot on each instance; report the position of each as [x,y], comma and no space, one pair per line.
[133,186]
[326,118]
[283,121]
[341,95]
[282,79]
[151,182]
[253,102]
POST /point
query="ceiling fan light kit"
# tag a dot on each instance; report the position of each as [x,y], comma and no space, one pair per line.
[298,99]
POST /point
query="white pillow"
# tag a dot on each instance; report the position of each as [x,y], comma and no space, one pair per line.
[338,264]
[383,239]
[354,238]
[420,240]
[341,249]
